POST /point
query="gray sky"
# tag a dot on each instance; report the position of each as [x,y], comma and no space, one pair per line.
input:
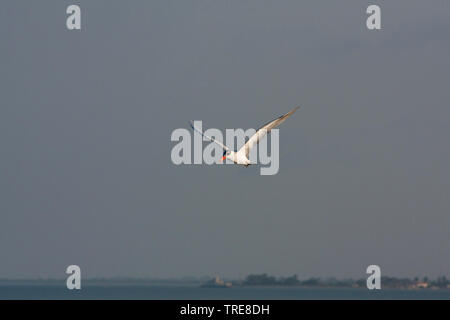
[86,118]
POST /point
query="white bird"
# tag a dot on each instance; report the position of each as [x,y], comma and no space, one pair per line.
[241,156]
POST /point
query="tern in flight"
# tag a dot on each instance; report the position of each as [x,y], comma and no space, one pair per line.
[241,156]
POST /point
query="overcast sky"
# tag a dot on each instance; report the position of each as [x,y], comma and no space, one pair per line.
[86,116]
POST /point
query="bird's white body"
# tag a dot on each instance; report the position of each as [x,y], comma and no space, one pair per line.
[241,156]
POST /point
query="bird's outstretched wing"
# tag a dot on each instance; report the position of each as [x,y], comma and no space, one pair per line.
[265,129]
[209,138]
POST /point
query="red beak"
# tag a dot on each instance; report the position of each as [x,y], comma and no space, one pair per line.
[223,158]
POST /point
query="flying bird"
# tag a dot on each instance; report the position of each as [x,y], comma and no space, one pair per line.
[242,155]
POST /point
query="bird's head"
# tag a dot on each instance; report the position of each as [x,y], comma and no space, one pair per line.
[225,154]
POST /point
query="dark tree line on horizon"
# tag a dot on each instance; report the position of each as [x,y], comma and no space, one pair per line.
[387,282]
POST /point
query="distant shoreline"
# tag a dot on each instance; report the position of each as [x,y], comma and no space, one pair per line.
[252,281]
